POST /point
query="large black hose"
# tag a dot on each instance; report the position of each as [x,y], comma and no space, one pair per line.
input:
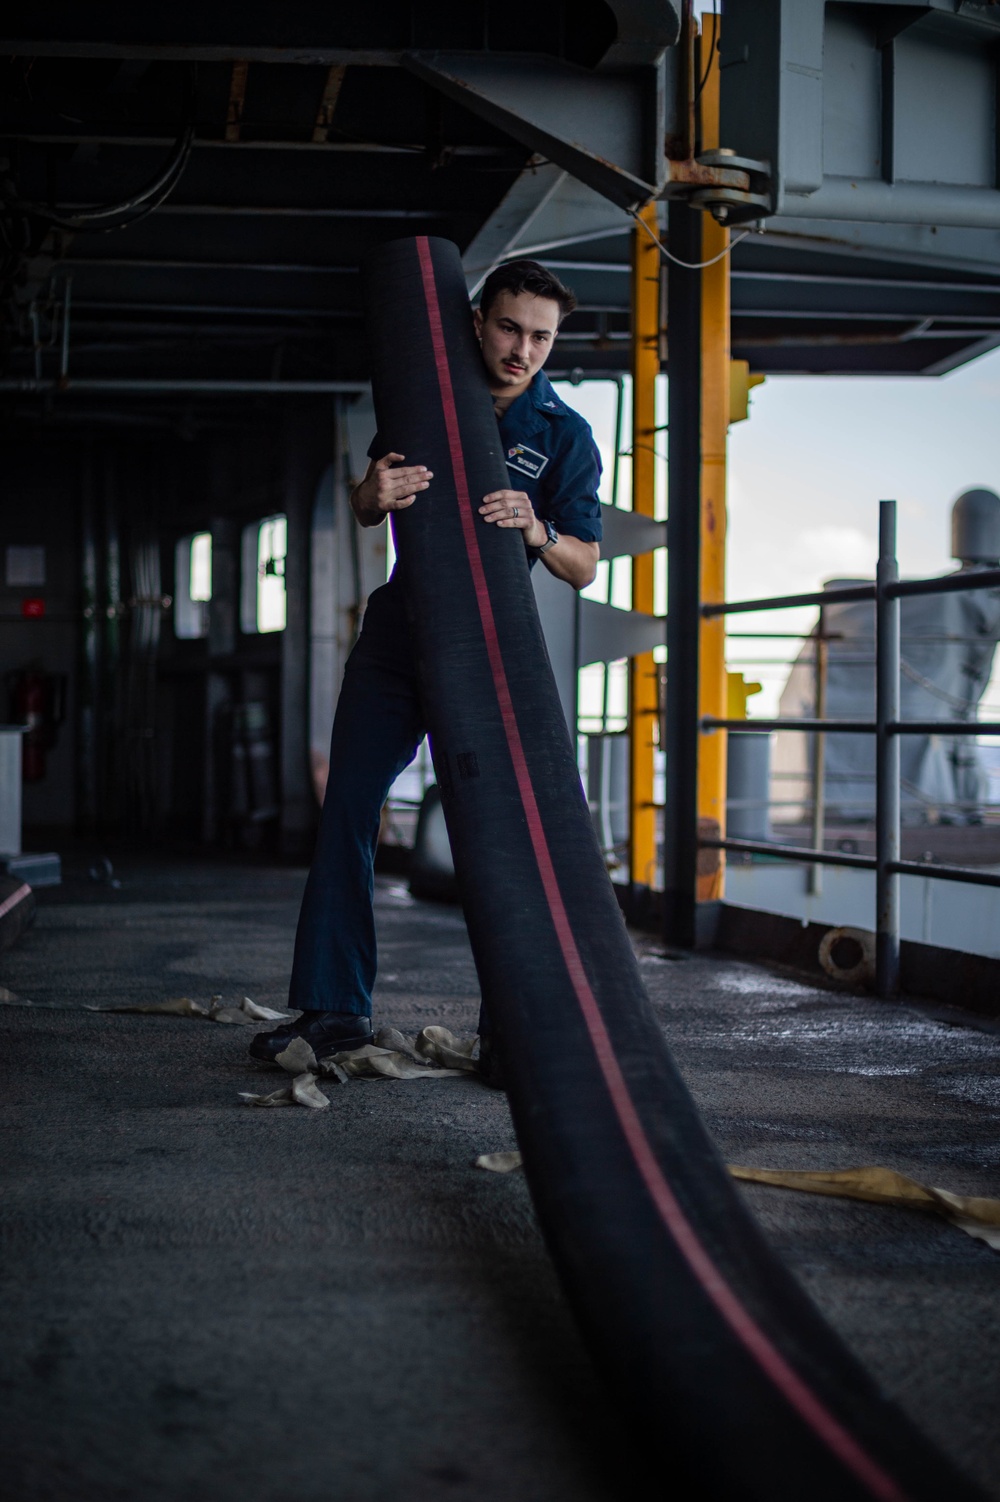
[730,1374]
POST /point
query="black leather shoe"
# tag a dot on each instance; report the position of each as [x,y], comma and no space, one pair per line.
[326,1033]
[490,1068]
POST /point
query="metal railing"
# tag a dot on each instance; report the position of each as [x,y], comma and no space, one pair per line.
[887,727]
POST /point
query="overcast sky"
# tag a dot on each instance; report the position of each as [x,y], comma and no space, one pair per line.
[818,453]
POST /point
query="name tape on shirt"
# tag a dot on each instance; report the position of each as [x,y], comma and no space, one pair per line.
[526,461]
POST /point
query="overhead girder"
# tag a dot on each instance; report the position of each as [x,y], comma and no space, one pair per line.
[545,209]
[301,33]
[873,202]
[603,127]
[250,225]
[498,238]
[964,252]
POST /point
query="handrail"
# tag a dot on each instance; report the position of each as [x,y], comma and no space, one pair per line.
[792,852]
[811,856]
[787,602]
[987,578]
[947,584]
[887,727]
[859,727]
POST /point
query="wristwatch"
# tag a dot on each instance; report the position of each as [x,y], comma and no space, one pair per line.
[551,539]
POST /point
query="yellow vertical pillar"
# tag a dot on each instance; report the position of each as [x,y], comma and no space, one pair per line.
[712,691]
[643,697]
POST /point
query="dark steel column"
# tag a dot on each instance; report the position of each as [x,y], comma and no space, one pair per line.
[88,693]
[222,644]
[887,790]
[307,442]
[111,792]
[680,824]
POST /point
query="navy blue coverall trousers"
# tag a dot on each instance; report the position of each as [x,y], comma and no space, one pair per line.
[376,733]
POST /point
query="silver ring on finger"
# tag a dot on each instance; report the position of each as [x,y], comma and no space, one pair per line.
[515,511]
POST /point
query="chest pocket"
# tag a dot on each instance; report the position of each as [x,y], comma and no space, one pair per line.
[526,462]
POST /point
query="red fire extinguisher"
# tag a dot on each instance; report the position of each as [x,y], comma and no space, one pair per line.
[37,699]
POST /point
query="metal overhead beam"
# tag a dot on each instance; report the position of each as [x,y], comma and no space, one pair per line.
[588,337]
[868,200]
[82,305]
[645,28]
[512,217]
[620,268]
[582,237]
[888,301]
[969,352]
[904,359]
[605,127]
[141,263]
[821,341]
[101,334]
[328,104]
[923,246]
[201,52]
[847,315]
[237,97]
[545,208]
[400,148]
[882,284]
[86,386]
[273,211]
[573,215]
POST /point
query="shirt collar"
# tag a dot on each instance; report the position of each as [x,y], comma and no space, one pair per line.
[544,398]
[540,399]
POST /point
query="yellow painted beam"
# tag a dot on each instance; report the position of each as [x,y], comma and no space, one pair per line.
[643,671]
[715,407]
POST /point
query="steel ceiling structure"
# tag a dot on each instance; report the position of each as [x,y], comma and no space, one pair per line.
[300,142]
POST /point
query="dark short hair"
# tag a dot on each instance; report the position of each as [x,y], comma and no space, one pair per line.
[525,276]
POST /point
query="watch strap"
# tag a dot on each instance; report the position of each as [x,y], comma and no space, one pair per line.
[550,541]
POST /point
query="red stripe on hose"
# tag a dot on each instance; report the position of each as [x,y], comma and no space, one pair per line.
[805,1402]
[15,897]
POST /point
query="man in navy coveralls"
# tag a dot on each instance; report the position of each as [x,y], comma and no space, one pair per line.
[553,462]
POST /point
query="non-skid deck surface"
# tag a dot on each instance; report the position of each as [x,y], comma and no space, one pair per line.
[217,1304]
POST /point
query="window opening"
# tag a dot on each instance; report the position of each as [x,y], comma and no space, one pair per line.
[262,596]
[192,585]
[402,809]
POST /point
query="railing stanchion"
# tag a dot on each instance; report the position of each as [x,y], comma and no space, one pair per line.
[887,726]
[887,786]
[819,758]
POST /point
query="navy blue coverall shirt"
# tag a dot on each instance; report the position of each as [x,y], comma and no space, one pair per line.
[552,457]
